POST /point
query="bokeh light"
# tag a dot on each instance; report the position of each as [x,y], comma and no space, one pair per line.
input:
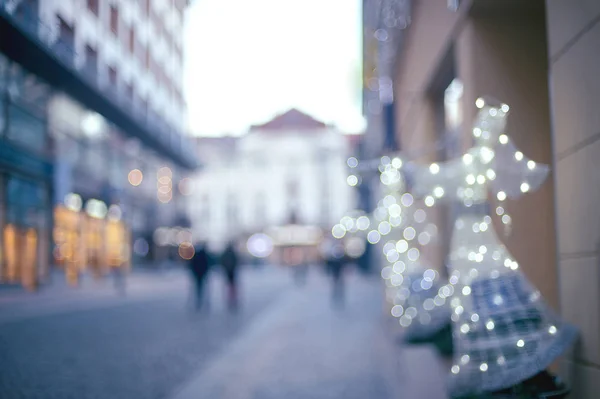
[186,250]
[260,245]
[135,177]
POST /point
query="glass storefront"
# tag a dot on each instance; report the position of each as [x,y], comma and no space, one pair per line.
[25,170]
[62,148]
[25,235]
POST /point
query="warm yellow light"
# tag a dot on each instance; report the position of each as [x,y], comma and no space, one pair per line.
[135,177]
[186,250]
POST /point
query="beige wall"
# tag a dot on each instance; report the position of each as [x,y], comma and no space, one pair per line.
[508,61]
[502,54]
[425,43]
[574,40]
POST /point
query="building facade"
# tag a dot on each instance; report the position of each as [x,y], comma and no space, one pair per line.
[539,57]
[290,170]
[94,155]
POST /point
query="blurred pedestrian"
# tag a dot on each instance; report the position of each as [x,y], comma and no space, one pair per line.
[336,262]
[118,273]
[199,267]
[229,262]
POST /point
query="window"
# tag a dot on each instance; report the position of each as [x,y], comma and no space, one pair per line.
[147,59]
[260,210]
[129,91]
[232,212]
[142,53]
[114,20]
[205,218]
[168,38]
[91,61]
[180,5]
[453,5]
[112,76]
[65,45]
[25,129]
[92,5]
[178,53]
[131,40]
[144,106]
[453,117]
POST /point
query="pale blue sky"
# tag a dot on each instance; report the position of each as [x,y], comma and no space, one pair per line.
[247,60]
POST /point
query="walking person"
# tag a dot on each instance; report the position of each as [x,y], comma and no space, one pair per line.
[199,267]
[118,273]
[229,262]
[335,263]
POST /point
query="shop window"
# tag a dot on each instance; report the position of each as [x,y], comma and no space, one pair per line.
[24,233]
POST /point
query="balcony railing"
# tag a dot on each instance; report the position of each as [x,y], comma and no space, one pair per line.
[25,18]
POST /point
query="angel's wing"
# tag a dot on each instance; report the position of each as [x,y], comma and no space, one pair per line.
[515,173]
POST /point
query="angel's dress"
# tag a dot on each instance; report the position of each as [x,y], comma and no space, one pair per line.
[422,297]
[503,332]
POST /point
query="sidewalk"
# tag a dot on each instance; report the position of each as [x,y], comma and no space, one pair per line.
[139,286]
[302,348]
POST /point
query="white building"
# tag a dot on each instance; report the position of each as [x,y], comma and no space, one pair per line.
[132,47]
[290,169]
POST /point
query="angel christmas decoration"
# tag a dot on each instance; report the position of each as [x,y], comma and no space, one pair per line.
[419,301]
[504,334]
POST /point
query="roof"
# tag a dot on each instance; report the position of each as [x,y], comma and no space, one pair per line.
[292,119]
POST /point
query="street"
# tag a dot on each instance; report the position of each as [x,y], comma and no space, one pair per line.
[286,341]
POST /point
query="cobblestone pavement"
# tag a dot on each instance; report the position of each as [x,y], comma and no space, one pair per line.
[286,342]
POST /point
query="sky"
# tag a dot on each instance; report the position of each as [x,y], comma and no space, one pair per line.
[247,61]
